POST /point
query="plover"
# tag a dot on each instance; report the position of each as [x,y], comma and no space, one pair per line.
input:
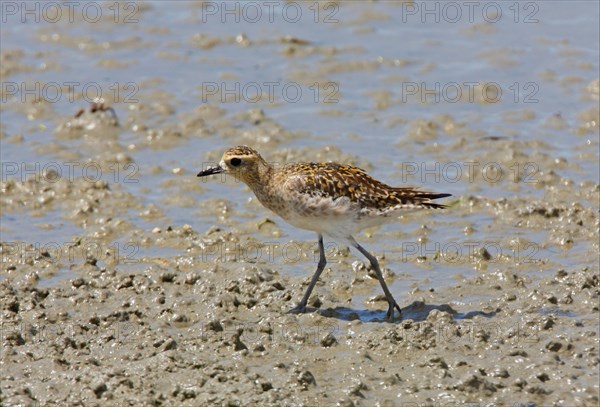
[330,199]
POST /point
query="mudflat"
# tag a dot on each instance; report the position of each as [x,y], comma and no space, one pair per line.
[126,280]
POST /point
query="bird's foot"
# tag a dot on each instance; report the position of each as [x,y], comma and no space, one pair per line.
[298,309]
[390,314]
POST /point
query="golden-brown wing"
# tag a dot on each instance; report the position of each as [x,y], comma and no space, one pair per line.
[332,180]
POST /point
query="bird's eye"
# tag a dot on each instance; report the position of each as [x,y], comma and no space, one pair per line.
[235,161]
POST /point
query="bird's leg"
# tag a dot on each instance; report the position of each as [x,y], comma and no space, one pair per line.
[375,266]
[301,307]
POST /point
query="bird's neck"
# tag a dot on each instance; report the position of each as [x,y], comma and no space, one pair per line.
[258,180]
[262,186]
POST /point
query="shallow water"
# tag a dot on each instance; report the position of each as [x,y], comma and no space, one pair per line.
[372,58]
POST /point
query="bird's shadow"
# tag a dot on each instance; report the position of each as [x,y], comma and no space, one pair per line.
[417,312]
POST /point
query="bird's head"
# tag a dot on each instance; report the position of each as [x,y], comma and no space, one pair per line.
[242,162]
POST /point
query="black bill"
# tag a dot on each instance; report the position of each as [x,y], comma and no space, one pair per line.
[210,171]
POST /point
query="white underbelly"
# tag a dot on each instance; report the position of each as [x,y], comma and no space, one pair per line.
[333,226]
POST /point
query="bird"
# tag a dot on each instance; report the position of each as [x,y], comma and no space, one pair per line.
[331,199]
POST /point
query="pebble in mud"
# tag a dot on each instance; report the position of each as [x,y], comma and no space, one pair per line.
[328,340]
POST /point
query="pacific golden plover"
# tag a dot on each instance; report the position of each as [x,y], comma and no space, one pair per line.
[328,198]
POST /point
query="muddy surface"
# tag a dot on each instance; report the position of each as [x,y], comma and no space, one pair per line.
[125,280]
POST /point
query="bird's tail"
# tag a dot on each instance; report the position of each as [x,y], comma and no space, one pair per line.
[423,198]
[432,195]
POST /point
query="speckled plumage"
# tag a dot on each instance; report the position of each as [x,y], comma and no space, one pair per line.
[329,198]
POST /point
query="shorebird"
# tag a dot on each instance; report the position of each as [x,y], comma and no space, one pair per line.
[330,199]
